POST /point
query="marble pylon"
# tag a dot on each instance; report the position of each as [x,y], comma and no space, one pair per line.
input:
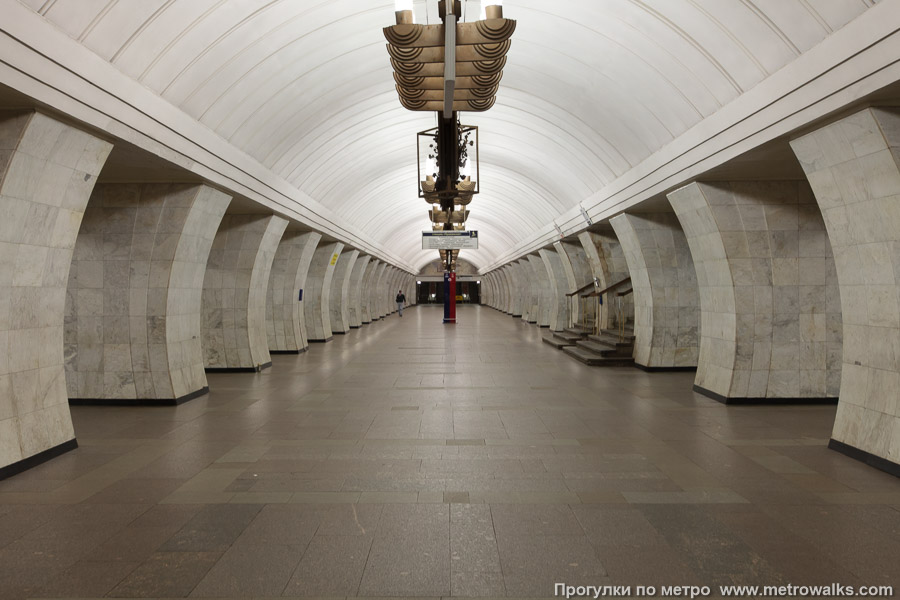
[285,321]
[853,166]
[133,304]
[770,313]
[47,172]
[235,288]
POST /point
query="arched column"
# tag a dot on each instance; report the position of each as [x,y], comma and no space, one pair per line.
[366,292]
[235,286]
[513,298]
[376,293]
[47,172]
[853,166]
[541,289]
[606,260]
[357,276]
[487,290]
[389,305]
[558,308]
[340,292]
[765,275]
[576,258]
[133,305]
[317,306]
[505,290]
[285,321]
[529,289]
[666,297]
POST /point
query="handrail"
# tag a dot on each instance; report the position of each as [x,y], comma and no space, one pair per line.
[581,289]
[603,291]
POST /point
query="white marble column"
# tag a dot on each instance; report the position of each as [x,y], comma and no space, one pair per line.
[558,307]
[317,305]
[666,296]
[340,292]
[357,277]
[47,172]
[574,256]
[542,292]
[606,260]
[285,321]
[233,327]
[133,303]
[366,290]
[376,294]
[770,319]
[389,291]
[853,166]
[513,298]
[529,290]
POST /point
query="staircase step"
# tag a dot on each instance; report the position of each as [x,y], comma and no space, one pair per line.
[569,336]
[556,341]
[596,360]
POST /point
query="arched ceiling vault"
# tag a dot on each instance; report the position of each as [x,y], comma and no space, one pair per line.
[590,90]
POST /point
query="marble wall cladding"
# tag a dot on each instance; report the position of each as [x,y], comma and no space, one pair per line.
[606,259]
[132,325]
[853,166]
[769,299]
[340,292]
[316,305]
[357,278]
[235,287]
[516,289]
[366,291]
[559,286]
[530,291]
[375,292]
[541,289]
[388,291]
[47,172]
[285,321]
[666,296]
[577,260]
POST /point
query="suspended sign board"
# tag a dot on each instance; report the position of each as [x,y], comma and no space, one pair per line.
[449,240]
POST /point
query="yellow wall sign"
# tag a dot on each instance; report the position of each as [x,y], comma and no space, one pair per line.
[334,259]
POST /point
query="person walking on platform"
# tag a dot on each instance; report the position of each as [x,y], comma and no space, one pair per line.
[401,299]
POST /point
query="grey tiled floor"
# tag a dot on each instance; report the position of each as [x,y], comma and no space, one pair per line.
[410,458]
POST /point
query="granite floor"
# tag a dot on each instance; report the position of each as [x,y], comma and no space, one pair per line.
[409,458]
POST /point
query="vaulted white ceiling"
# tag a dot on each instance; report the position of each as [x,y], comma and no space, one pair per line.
[592,88]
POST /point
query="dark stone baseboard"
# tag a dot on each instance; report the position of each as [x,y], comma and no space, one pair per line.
[544,326]
[328,339]
[761,401]
[366,322]
[339,333]
[882,464]
[39,458]
[515,316]
[301,351]
[664,369]
[255,369]
[354,327]
[138,401]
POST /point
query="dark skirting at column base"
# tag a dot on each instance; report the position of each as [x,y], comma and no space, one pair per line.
[328,339]
[301,351]
[758,401]
[882,464]
[354,327]
[665,370]
[37,459]
[138,401]
[255,369]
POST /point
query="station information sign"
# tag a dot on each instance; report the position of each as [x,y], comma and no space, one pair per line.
[449,240]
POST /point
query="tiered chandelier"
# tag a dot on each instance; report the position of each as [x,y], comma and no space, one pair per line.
[449,68]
